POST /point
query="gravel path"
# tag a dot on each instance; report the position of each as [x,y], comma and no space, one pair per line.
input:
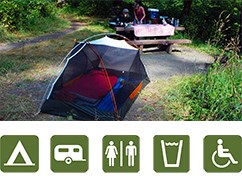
[160,65]
[183,60]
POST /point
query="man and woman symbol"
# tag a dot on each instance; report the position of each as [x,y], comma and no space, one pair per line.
[112,152]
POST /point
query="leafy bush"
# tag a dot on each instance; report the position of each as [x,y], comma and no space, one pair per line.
[206,15]
[17,14]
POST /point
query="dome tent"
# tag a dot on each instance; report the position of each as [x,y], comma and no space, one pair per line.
[100,80]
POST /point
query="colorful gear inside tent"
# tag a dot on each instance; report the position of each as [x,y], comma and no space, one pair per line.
[100,80]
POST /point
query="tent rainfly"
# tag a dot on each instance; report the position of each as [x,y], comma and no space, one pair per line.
[100,80]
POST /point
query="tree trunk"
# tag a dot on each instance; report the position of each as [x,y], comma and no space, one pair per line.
[187,4]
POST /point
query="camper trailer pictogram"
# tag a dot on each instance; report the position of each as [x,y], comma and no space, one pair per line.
[68,153]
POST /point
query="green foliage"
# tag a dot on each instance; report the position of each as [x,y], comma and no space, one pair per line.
[171,8]
[209,18]
[206,17]
[73,3]
[215,96]
[18,14]
[95,8]
[89,7]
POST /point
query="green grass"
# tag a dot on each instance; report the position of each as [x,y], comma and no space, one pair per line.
[43,26]
[216,95]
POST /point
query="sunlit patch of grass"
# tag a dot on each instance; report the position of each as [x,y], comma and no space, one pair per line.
[43,26]
[212,96]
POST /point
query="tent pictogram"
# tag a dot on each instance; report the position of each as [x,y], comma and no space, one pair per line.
[19,153]
[19,149]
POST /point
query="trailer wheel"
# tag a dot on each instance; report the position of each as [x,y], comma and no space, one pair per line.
[68,160]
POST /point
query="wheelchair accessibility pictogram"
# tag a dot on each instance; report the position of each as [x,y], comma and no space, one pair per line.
[221,152]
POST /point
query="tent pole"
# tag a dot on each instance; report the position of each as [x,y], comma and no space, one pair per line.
[108,80]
